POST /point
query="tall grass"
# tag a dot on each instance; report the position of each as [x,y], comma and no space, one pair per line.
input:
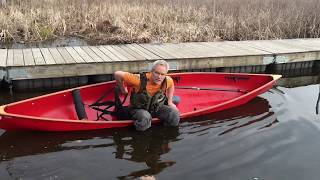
[128,21]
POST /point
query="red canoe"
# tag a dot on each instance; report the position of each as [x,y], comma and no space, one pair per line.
[199,94]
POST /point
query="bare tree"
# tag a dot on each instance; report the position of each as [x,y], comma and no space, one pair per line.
[3,3]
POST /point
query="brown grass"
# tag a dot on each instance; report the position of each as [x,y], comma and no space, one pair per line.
[128,21]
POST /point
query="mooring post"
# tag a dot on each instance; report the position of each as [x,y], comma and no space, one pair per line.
[271,66]
[316,67]
[8,81]
[10,89]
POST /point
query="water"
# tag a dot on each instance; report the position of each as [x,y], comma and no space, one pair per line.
[275,136]
[58,42]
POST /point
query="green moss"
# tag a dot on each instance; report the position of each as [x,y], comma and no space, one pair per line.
[46,32]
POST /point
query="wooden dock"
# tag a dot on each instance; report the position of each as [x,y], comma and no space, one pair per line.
[59,62]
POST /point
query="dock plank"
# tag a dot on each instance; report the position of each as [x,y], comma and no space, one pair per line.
[193,50]
[100,54]
[235,50]
[115,52]
[138,51]
[182,50]
[157,51]
[47,56]
[92,54]
[305,44]
[204,50]
[290,44]
[243,48]
[273,46]
[177,52]
[123,52]
[213,47]
[144,52]
[18,57]
[38,58]
[169,51]
[3,57]
[83,54]
[189,50]
[66,55]
[28,57]
[162,49]
[108,53]
[57,56]
[225,49]
[134,54]
[73,53]
[10,57]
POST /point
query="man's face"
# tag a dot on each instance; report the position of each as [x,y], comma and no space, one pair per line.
[158,74]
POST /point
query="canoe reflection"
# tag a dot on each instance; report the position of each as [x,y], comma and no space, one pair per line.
[255,113]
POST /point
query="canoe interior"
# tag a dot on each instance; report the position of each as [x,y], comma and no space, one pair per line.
[60,105]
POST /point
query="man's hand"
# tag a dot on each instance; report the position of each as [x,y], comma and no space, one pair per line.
[173,106]
[124,90]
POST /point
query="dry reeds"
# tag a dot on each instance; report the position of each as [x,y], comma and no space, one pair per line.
[128,21]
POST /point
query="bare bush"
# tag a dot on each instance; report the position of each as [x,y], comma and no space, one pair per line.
[3,3]
[129,21]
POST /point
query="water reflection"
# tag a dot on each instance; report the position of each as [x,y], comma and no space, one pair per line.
[255,114]
[292,82]
[6,97]
[146,147]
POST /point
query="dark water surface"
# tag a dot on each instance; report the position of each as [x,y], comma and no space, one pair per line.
[274,137]
[58,42]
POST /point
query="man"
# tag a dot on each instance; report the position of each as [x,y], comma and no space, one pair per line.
[151,96]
